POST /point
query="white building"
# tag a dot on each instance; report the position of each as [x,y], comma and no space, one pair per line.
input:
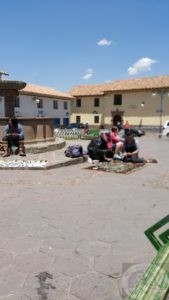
[39,101]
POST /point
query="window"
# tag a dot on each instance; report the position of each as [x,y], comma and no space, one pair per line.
[78,102]
[96,102]
[77,119]
[17,102]
[96,119]
[55,104]
[40,103]
[65,106]
[117,99]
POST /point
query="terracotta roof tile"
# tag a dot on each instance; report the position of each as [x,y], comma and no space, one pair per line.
[146,83]
[32,89]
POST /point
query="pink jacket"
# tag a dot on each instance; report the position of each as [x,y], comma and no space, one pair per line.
[112,139]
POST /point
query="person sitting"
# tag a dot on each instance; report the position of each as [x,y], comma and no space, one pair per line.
[86,128]
[13,135]
[131,149]
[114,143]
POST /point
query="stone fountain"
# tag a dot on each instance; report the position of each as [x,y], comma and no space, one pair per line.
[37,129]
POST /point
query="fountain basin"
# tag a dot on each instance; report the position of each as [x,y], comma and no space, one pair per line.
[12,85]
[37,129]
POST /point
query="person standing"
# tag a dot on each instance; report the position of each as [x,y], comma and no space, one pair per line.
[126,125]
[86,128]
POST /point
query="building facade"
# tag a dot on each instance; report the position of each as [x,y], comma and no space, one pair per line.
[39,101]
[140,101]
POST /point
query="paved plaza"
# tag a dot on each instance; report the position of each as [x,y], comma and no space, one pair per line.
[75,234]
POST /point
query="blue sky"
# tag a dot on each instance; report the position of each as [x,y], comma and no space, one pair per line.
[63,43]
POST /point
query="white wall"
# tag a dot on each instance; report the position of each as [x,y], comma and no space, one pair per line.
[28,107]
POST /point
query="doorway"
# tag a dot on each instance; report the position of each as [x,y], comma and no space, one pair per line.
[117,119]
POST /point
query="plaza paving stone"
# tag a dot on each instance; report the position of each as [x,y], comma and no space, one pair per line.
[69,233]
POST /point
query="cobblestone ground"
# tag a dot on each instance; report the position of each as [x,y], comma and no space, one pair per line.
[77,234]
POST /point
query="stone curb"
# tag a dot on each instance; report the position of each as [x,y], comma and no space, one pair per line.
[45,147]
[71,161]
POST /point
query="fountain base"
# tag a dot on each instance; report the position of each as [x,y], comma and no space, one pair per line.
[36,129]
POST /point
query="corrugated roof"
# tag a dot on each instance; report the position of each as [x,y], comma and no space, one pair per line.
[32,89]
[146,83]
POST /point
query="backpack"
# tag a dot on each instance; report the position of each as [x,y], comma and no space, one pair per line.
[74,151]
[94,148]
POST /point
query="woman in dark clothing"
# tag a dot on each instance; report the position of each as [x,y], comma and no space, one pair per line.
[131,149]
[13,135]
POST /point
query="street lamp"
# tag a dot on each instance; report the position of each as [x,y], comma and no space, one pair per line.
[162,92]
[37,100]
[142,106]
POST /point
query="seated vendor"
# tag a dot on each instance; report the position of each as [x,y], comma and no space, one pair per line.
[13,135]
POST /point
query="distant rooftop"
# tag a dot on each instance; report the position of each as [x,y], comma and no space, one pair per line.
[32,89]
[145,83]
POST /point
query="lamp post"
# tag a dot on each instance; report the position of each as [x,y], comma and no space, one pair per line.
[142,106]
[162,92]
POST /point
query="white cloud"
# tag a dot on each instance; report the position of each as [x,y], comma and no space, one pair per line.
[143,64]
[104,42]
[87,76]
[108,81]
[89,73]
